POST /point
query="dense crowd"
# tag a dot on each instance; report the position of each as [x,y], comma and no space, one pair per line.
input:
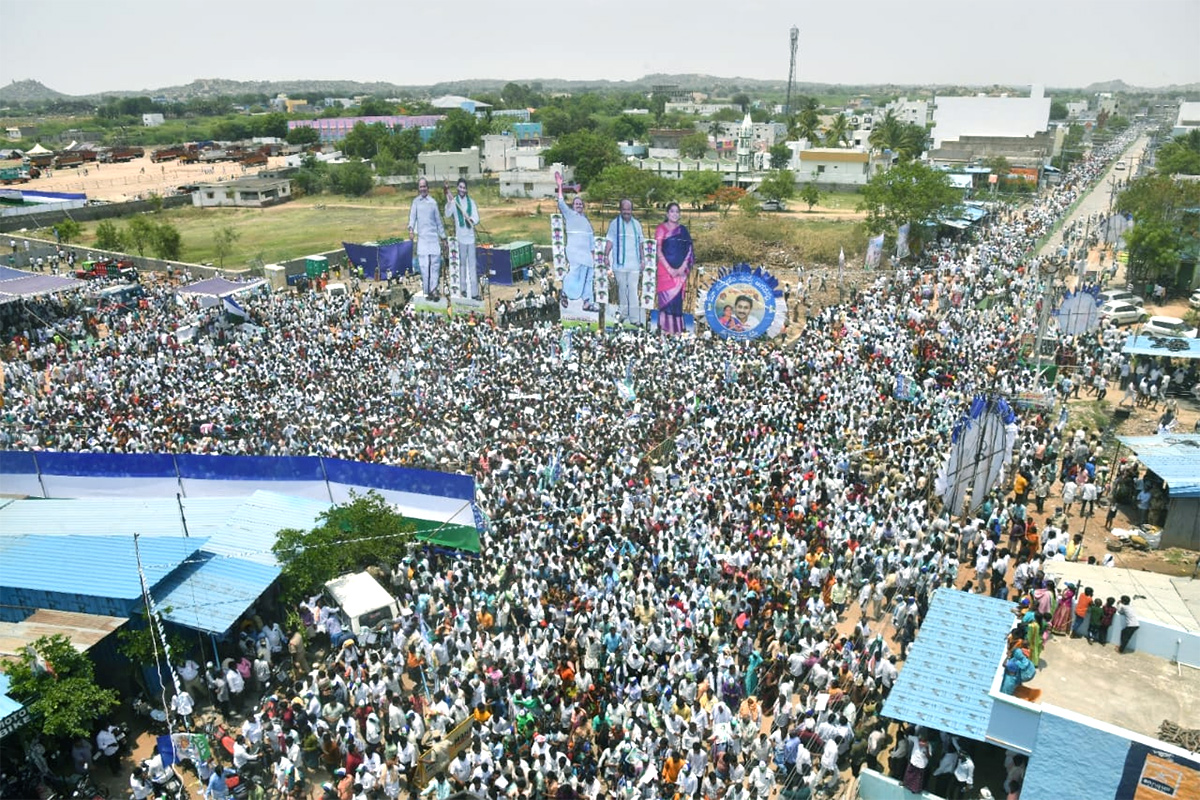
[699,585]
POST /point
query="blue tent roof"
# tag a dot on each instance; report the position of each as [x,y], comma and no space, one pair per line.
[1174,457]
[945,682]
[94,566]
[1157,346]
[210,593]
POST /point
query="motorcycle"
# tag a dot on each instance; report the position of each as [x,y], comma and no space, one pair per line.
[88,789]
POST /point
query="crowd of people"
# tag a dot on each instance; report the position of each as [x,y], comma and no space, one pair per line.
[701,586]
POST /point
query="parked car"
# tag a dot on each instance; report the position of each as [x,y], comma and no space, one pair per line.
[1122,295]
[773,205]
[1194,301]
[1121,312]
[1168,326]
[1120,166]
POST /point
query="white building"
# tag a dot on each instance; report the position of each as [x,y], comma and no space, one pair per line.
[447,166]
[243,193]
[909,112]
[458,101]
[1188,119]
[700,109]
[501,152]
[533,183]
[995,117]
[152,120]
[833,166]
[1076,107]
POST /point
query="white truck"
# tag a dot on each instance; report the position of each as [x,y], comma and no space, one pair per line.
[362,602]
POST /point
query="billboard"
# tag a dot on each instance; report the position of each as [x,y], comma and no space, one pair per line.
[745,304]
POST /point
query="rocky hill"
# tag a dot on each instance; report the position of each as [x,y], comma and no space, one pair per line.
[27,91]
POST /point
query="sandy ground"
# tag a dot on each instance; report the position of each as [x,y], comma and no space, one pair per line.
[136,179]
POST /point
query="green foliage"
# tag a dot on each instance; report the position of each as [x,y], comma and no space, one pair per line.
[623,180]
[1180,156]
[626,127]
[837,132]
[67,702]
[363,532]
[907,141]
[138,234]
[108,236]
[589,152]
[810,195]
[353,179]
[781,156]
[1058,110]
[303,136]
[376,107]
[223,239]
[68,230]
[518,95]
[694,188]
[1166,224]
[167,242]
[456,132]
[136,642]
[908,192]
[999,166]
[741,100]
[749,206]
[363,140]
[1154,250]
[778,185]
[694,145]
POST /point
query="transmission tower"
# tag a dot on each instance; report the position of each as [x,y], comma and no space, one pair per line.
[795,34]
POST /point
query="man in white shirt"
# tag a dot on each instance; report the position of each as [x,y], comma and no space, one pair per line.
[425,225]
[462,209]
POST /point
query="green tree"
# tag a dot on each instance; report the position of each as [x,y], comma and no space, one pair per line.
[405,144]
[1166,225]
[138,234]
[837,132]
[166,243]
[810,195]
[376,107]
[741,100]
[1180,156]
[626,128]
[909,192]
[749,205]
[303,136]
[781,156]
[68,230]
[352,536]
[363,140]
[694,188]
[108,236]
[273,124]
[1058,110]
[778,185]
[353,179]
[999,166]
[137,642]
[57,684]
[694,145]
[624,180]
[224,238]
[588,152]
[456,132]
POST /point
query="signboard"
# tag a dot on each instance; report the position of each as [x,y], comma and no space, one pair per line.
[1152,774]
[13,721]
[435,760]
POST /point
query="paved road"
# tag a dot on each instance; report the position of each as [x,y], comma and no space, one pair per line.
[1099,198]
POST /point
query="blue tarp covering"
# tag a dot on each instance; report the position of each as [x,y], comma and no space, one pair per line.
[381,262]
[219,287]
[10,274]
[400,479]
[1144,345]
[1173,457]
[248,468]
[239,468]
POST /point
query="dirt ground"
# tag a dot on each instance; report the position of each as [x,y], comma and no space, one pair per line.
[135,180]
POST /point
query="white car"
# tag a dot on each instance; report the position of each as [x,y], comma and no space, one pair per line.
[1122,295]
[1120,166]
[1194,300]
[1121,313]
[1168,326]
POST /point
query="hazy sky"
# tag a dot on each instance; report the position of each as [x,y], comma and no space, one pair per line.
[90,46]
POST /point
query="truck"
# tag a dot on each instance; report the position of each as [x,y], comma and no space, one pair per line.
[10,175]
[362,603]
[166,154]
[119,155]
[254,159]
[63,160]
[108,268]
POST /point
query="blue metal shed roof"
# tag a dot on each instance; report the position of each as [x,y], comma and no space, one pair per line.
[94,566]
[211,592]
[945,682]
[1174,457]
[250,531]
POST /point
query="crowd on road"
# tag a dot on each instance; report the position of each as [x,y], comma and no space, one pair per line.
[706,558]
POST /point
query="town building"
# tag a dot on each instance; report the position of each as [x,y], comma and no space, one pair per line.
[243,193]
[534,183]
[152,120]
[449,101]
[334,129]
[968,129]
[1188,119]
[832,167]
[436,165]
[909,112]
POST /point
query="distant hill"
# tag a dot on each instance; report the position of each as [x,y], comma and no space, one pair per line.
[27,91]
[33,91]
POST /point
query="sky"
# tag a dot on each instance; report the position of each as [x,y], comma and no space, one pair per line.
[91,46]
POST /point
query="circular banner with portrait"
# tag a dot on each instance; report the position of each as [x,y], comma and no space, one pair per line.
[741,305]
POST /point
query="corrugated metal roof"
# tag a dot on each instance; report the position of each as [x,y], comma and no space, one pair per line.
[249,532]
[94,566]
[84,630]
[115,516]
[210,593]
[1174,457]
[945,681]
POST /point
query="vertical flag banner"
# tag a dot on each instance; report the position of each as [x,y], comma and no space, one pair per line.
[874,251]
[902,250]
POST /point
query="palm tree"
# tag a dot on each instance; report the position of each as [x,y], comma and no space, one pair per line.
[911,142]
[808,125]
[838,131]
[886,133]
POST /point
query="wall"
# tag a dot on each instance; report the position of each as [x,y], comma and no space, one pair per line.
[1056,769]
[43,247]
[47,219]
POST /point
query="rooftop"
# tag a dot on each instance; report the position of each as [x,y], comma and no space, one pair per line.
[1161,598]
[84,630]
[1136,691]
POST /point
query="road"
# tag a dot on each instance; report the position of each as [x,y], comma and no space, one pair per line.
[1099,199]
